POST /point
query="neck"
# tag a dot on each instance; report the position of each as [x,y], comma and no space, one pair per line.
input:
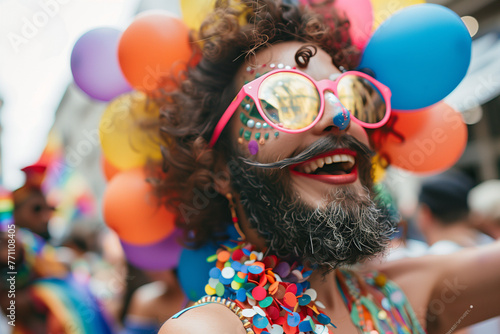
[251,235]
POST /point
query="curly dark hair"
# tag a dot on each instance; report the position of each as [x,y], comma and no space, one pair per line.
[190,113]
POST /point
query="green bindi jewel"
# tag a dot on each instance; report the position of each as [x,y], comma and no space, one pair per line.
[247,135]
[244,119]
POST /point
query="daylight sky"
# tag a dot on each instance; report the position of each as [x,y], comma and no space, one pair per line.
[36,39]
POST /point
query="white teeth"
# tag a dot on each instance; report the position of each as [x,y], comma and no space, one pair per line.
[312,166]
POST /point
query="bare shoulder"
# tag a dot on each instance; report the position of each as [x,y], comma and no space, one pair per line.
[210,319]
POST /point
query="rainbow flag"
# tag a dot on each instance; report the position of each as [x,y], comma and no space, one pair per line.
[72,306]
[6,209]
[64,186]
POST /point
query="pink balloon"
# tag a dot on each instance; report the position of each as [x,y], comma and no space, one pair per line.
[360,15]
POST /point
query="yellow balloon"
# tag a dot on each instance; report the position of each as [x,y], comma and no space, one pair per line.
[125,141]
[383,9]
[195,11]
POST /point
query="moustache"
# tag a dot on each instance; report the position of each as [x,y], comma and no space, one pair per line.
[321,146]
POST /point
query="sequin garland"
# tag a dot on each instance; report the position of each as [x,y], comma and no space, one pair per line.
[376,304]
[274,295]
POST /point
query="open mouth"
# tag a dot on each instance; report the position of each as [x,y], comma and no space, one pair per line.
[335,167]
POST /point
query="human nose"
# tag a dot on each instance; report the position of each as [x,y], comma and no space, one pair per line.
[335,115]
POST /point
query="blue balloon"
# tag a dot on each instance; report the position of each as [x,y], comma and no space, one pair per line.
[193,270]
[421,53]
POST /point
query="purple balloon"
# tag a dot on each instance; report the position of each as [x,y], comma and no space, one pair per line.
[95,66]
[162,255]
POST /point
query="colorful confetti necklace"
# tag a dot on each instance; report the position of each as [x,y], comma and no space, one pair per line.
[273,296]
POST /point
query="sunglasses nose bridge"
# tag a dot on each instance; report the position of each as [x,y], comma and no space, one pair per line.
[334,113]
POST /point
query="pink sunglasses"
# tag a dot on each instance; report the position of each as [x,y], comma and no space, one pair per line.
[291,101]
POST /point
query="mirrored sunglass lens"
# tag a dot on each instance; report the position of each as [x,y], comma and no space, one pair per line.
[361,98]
[289,100]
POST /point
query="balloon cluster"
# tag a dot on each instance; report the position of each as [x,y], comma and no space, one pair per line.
[128,69]
[420,51]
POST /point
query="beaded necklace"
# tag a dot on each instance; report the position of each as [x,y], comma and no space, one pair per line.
[376,304]
[272,296]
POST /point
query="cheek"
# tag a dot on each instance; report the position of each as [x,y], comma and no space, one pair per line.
[252,134]
[358,132]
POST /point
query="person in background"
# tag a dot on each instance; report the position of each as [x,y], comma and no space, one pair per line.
[443,213]
[31,210]
[47,298]
[484,201]
[444,219]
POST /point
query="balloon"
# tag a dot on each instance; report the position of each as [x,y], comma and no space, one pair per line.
[94,64]
[360,15]
[124,144]
[358,12]
[421,53]
[195,11]
[193,270]
[108,169]
[161,255]
[194,261]
[434,139]
[132,211]
[154,49]
[383,9]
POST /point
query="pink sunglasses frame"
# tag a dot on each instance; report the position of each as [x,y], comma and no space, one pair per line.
[251,90]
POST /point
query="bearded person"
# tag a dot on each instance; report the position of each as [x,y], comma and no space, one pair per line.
[270,131]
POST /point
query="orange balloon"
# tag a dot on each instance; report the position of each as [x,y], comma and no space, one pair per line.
[423,141]
[108,169]
[153,49]
[132,211]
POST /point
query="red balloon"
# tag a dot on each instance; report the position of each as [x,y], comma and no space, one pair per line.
[154,49]
[132,210]
[426,140]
